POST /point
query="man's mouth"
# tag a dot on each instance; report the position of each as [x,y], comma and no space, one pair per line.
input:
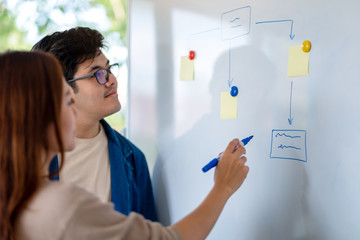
[111,93]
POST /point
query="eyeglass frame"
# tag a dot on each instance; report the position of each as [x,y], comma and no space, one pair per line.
[108,71]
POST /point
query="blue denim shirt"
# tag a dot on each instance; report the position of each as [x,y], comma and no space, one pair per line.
[131,188]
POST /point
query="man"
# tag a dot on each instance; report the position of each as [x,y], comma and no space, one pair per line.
[103,162]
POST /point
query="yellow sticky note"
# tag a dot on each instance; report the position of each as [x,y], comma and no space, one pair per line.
[228,106]
[298,62]
[186,68]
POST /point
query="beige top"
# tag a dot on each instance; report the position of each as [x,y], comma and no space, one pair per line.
[88,166]
[63,211]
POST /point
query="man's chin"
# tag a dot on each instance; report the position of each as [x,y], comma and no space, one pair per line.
[115,109]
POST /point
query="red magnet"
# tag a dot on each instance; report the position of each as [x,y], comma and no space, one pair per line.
[192,55]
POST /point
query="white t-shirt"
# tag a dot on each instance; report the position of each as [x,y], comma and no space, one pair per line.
[88,166]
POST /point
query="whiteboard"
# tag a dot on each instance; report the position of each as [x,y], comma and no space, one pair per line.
[314,194]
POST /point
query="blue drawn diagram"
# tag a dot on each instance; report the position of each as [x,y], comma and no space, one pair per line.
[235,23]
[281,21]
[289,144]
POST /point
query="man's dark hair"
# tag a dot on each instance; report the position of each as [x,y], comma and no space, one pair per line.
[72,47]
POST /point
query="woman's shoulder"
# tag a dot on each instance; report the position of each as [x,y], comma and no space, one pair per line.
[64,211]
[59,195]
[61,199]
[51,188]
[49,211]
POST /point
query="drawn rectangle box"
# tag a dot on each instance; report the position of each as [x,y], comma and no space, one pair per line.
[235,23]
[289,144]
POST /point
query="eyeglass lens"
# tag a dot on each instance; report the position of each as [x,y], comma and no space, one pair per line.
[103,74]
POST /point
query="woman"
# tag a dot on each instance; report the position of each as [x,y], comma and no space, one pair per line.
[37,121]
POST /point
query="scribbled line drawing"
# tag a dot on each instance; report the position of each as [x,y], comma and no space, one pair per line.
[289,144]
[283,134]
[235,23]
[278,21]
[235,19]
[283,146]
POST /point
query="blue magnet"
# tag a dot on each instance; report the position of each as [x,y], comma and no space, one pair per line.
[234,91]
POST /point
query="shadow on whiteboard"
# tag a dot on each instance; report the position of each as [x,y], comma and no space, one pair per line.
[179,183]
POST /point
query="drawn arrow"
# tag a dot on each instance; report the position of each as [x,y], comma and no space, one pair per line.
[288,20]
[230,80]
[290,119]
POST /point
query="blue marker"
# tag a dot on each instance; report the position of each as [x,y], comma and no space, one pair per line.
[215,161]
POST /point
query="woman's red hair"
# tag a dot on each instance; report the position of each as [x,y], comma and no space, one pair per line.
[30,101]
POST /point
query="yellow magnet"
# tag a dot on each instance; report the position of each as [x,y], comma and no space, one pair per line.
[306,46]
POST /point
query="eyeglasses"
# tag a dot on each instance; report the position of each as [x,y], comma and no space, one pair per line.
[101,75]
